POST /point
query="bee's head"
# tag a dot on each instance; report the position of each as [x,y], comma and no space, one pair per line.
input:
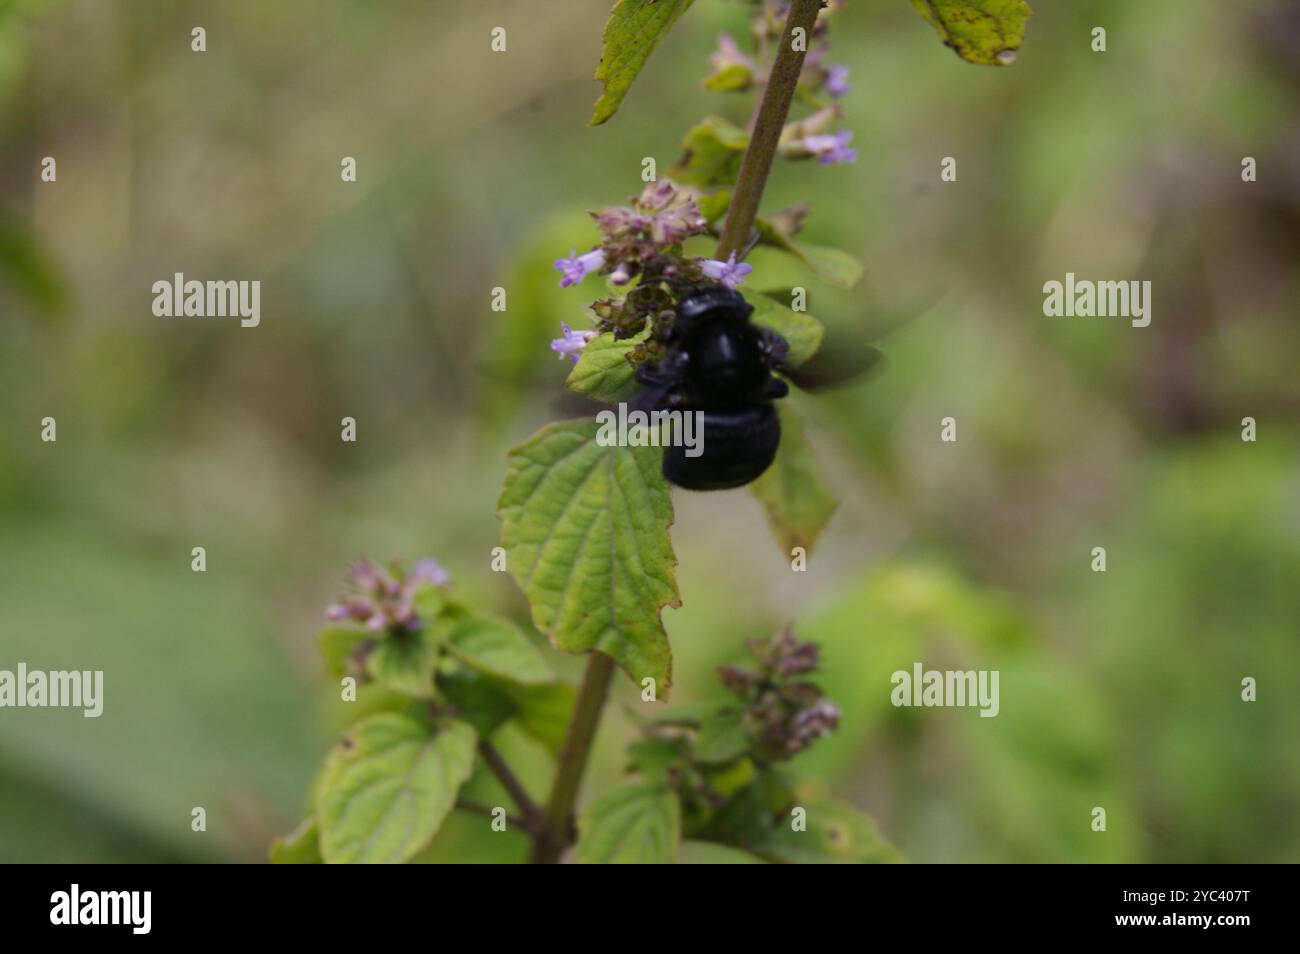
[709,303]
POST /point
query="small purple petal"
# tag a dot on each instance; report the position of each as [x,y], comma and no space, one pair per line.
[730,273]
[837,81]
[831,149]
[576,267]
[572,343]
[429,570]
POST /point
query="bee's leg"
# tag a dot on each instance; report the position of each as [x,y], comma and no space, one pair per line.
[775,348]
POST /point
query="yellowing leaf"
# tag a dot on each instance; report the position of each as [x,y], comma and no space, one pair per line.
[981,31]
[633,30]
[585,528]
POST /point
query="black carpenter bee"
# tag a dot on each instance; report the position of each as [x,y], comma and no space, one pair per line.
[720,364]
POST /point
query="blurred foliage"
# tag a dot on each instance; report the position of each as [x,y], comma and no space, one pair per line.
[475,170]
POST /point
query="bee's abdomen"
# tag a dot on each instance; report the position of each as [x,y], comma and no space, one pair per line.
[738,445]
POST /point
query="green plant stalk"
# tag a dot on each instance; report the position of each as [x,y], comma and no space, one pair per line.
[756,164]
[557,828]
[532,814]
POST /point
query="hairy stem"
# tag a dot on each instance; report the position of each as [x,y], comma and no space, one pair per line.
[557,823]
[770,120]
[496,763]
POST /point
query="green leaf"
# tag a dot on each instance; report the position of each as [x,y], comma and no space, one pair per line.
[468,838]
[802,332]
[638,823]
[603,372]
[429,600]
[711,153]
[731,78]
[585,528]
[730,777]
[829,264]
[980,31]
[337,644]
[25,264]
[300,847]
[713,206]
[633,30]
[544,711]
[723,736]
[388,786]
[683,714]
[372,698]
[404,661]
[497,647]
[797,500]
[656,757]
[835,834]
[479,699]
[712,853]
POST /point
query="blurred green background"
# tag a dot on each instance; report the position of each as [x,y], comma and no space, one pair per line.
[1119,690]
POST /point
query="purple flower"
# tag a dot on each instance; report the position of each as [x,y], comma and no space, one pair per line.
[832,149]
[731,273]
[837,81]
[732,69]
[576,266]
[728,54]
[429,571]
[572,343]
[381,600]
[811,724]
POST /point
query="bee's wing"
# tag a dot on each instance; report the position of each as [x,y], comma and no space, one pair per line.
[845,354]
[838,362]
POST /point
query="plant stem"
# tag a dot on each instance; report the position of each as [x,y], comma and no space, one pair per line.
[772,111]
[496,763]
[477,808]
[557,827]
[557,823]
